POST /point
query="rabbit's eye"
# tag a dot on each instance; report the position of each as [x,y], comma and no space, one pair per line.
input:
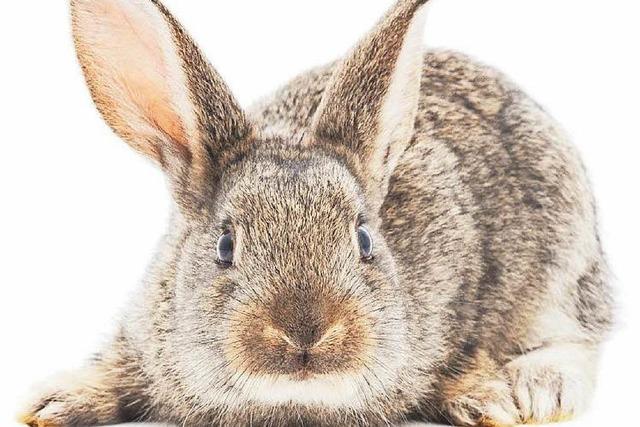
[366,243]
[225,249]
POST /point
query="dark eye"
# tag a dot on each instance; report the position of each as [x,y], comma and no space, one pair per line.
[366,243]
[225,248]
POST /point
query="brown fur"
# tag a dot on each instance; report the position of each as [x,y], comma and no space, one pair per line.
[487,274]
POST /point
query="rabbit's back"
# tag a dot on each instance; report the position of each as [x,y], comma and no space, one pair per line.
[489,212]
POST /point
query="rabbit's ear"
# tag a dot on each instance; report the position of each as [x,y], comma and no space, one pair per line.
[370,105]
[152,84]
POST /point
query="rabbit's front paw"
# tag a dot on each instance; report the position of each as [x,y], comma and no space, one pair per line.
[71,400]
[49,414]
[488,405]
[552,384]
[76,407]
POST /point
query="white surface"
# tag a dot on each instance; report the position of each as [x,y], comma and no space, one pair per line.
[81,213]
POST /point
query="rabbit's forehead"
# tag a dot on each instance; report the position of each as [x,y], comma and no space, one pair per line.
[294,189]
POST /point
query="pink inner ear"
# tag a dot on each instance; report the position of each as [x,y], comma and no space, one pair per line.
[138,71]
[156,107]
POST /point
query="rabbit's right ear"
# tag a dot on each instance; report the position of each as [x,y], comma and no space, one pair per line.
[368,110]
[152,84]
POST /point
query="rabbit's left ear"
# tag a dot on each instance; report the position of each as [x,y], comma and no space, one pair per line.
[154,87]
[371,102]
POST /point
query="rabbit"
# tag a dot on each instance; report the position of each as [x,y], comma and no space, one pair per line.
[400,235]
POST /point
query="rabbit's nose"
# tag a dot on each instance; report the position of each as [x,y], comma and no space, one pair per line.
[306,337]
[305,343]
[303,336]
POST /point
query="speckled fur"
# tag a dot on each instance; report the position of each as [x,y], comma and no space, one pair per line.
[486,303]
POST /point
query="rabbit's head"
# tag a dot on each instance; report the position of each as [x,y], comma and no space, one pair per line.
[284,290]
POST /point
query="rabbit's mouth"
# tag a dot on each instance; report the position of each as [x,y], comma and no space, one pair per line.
[332,353]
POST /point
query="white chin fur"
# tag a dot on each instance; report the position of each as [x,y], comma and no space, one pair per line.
[330,391]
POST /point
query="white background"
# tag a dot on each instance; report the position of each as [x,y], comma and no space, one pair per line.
[81,213]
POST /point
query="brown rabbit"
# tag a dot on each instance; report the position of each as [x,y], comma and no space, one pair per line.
[398,236]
